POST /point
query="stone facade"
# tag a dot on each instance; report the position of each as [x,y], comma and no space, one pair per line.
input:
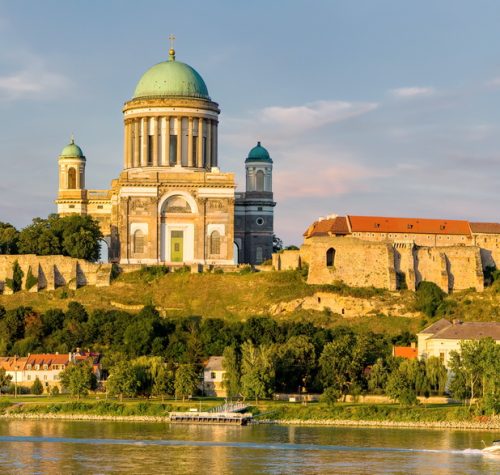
[51,272]
[396,253]
[171,204]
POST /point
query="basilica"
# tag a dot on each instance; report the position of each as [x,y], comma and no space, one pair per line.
[172,203]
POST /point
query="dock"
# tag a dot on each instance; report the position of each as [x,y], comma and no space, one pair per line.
[227,414]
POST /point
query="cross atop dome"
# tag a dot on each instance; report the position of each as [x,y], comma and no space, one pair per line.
[171,52]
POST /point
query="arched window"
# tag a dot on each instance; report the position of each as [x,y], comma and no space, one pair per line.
[71,178]
[259,255]
[139,242]
[215,242]
[330,257]
[259,178]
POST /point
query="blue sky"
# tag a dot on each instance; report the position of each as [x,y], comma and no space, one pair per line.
[367,107]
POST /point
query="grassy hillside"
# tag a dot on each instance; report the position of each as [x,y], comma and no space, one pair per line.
[239,296]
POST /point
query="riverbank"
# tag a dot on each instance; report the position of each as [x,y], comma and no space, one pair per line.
[439,416]
[486,425]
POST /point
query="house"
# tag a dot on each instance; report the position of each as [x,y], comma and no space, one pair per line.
[444,336]
[407,352]
[46,367]
[213,377]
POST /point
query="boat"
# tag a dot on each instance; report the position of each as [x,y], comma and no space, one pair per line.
[494,448]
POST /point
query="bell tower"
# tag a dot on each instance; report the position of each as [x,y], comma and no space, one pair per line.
[71,195]
[255,209]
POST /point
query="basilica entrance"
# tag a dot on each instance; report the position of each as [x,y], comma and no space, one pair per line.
[177,246]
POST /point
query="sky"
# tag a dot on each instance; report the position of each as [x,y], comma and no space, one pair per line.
[387,107]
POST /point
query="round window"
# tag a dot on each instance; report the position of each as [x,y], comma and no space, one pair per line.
[260,221]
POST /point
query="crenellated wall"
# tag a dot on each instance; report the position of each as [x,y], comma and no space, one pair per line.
[51,272]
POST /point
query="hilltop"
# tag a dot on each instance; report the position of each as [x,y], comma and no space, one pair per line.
[283,295]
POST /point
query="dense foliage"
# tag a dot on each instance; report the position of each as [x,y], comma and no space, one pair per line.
[73,235]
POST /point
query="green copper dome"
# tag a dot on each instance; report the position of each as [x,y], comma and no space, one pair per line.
[72,150]
[171,78]
[258,154]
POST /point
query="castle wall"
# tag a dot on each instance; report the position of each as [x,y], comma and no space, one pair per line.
[287,260]
[490,249]
[356,263]
[51,272]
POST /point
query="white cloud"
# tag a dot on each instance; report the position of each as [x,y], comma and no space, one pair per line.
[33,81]
[411,92]
[493,83]
[314,114]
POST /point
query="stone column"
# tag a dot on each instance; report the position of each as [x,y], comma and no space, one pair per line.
[190,142]
[144,142]
[137,145]
[215,143]
[165,140]
[126,154]
[208,162]
[200,143]
[178,122]
[155,141]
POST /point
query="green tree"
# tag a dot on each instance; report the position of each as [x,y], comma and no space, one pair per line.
[123,380]
[37,387]
[428,298]
[436,373]
[257,370]
[342,362]
[78,379]
[186,380]
[295,363]
[9,237]
[73,235]
[231,366]
[4,379]
[377,379]
[401,388]
[16,283]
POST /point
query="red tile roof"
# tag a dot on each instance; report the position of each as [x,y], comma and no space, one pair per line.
[485,228]
[381,224]
[327,227]
[407,352]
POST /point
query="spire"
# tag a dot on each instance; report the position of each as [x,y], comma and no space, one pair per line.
[171,52]
[72,141]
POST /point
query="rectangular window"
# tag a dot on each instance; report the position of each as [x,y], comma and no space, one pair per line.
[150,150]
[213,375]
[204,152]
[28,378]
[195,150]
[45,377]
[173,150]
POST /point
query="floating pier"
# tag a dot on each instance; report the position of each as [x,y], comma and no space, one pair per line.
[222,418]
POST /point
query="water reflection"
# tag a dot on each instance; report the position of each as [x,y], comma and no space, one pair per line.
[119,447]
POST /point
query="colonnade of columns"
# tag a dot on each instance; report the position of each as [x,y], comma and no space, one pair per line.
[170,141]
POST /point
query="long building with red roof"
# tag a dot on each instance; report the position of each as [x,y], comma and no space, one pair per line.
[396,253]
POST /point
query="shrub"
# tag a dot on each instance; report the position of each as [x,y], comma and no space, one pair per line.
[150,273]
[54,391]
[16,283]
[246,269]
[31,280]
[330,396]
[428,298]
[37,387]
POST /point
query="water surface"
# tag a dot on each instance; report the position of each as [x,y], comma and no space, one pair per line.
[81,447]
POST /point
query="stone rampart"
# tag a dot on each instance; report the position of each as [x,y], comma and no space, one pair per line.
[353,261]
[388,265]
[287,260]
[50,272]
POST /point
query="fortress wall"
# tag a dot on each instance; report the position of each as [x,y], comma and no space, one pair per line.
[404,264]
[357,263]
[287,260]
[464,267]
[54,271]
[431,266]
[490,249]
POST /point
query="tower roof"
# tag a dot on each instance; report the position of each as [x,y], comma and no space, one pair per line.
[171,79]
[258,154]
[72,150]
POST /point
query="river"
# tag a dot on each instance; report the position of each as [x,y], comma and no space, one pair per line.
[73,447]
